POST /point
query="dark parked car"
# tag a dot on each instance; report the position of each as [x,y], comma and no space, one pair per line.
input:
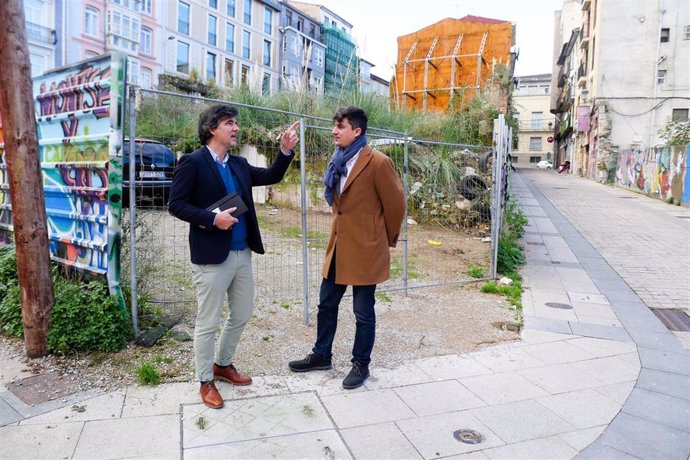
[154,165]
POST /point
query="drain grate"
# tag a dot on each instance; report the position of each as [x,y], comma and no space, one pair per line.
[562,306]
[683,217]
[674,320]
[628,197]
[561,188]
[469,436]
[535,243]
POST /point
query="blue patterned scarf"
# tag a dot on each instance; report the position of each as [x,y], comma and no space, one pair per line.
[336,168]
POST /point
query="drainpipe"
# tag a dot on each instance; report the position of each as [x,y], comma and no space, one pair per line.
[656,73]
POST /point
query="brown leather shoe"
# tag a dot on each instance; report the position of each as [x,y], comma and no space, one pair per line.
[231,375]
[210,395]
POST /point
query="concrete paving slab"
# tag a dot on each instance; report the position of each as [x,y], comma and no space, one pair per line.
[366,408]
[261,386]
[451,367]
[603,347]
[552,448]
[406,374]
[617,392]
[160,400]
[141,437]
[678,363]
[599,451]
[601,332]
[502,388]
[560,378]
[582,438]
[317,444]
[12,370]
[107,406]
[253,418]
[536,336]
[39,441]
[7,414]
[643,439]
[548,325]
[569,406]
[667,383]
[521,421]
[504,359]
[593,309]
[651,339]
[438,397]
[611,369]
[586,297]
[322,383]
[558,352]
[660,408]
[433,436]
[382,441]
[598,320]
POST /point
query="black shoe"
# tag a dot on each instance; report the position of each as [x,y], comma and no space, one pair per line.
[312,362]
[356,377]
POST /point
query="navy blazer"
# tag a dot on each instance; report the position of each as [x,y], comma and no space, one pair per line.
[197,184]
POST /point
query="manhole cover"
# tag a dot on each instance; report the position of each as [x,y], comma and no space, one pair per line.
[43,387]
[674,320]
[469,436]
[562,306]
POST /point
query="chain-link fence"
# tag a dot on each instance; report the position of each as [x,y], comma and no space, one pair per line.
[446,188]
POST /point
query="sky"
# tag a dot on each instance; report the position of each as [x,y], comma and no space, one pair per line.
[378,23]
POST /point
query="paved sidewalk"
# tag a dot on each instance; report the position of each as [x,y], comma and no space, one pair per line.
[596,374]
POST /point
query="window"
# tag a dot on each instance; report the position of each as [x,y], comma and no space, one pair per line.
[246,40]
[248,12]
[37,63]
[182,57]
[268,20]
[318,57]
[132,71]
[266,84]
[535,144]
[312,30]
[300,25]
[534,159]
[183,18]
[146,8]
[146,40]
[125,3]
[295,46]
[687,33]
[230,37]
[229,73]
[283,71]
[244,76]
[679,115]
[91,22]
[284,43]
[665,35]
[210,66]
[213,4]
[288,15]
[267,53]
[326,19]
[212,26]
[123,30]
[231,8]
[661,76]
[146,78]
[537,120]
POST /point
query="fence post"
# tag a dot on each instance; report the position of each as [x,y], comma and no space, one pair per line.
[132,209]
[406,188]
[303,205]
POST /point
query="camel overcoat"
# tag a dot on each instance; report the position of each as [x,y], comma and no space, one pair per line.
[367,217]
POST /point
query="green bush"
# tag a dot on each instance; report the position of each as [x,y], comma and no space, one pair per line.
[11,312]
[476,272]
[147,374]
[86,318]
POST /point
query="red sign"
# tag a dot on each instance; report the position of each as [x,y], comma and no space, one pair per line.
[549,139]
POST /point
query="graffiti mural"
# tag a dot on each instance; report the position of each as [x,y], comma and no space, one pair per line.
[659,172]
[79,127]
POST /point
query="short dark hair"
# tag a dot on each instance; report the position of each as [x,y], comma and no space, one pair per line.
[356,116]
[210,119]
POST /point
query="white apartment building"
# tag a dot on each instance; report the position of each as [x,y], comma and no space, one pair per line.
[41,34]
[532,102]
[627,74]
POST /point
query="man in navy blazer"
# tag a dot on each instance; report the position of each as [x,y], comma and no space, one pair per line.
[220,243]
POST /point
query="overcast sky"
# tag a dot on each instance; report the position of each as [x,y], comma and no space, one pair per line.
[378,23]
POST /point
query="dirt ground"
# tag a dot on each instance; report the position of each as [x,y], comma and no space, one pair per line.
[435,320]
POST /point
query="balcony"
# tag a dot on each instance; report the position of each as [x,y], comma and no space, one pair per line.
[585,4]
[40,34]
[582,76]
[584,37]
[536,125]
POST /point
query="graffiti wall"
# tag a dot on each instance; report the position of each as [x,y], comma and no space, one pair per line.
[79,126]
[660,172]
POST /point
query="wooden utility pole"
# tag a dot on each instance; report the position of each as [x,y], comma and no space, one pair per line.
[24,172]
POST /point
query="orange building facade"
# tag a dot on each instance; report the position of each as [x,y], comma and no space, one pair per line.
[447,63]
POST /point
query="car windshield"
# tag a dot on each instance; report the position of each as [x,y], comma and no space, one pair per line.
[149,153]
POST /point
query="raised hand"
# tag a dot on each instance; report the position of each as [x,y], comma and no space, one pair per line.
[289,139]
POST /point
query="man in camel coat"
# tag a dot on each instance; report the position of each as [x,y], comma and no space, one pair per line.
[368,206]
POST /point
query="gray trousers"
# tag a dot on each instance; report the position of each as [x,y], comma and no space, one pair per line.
[235,278]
